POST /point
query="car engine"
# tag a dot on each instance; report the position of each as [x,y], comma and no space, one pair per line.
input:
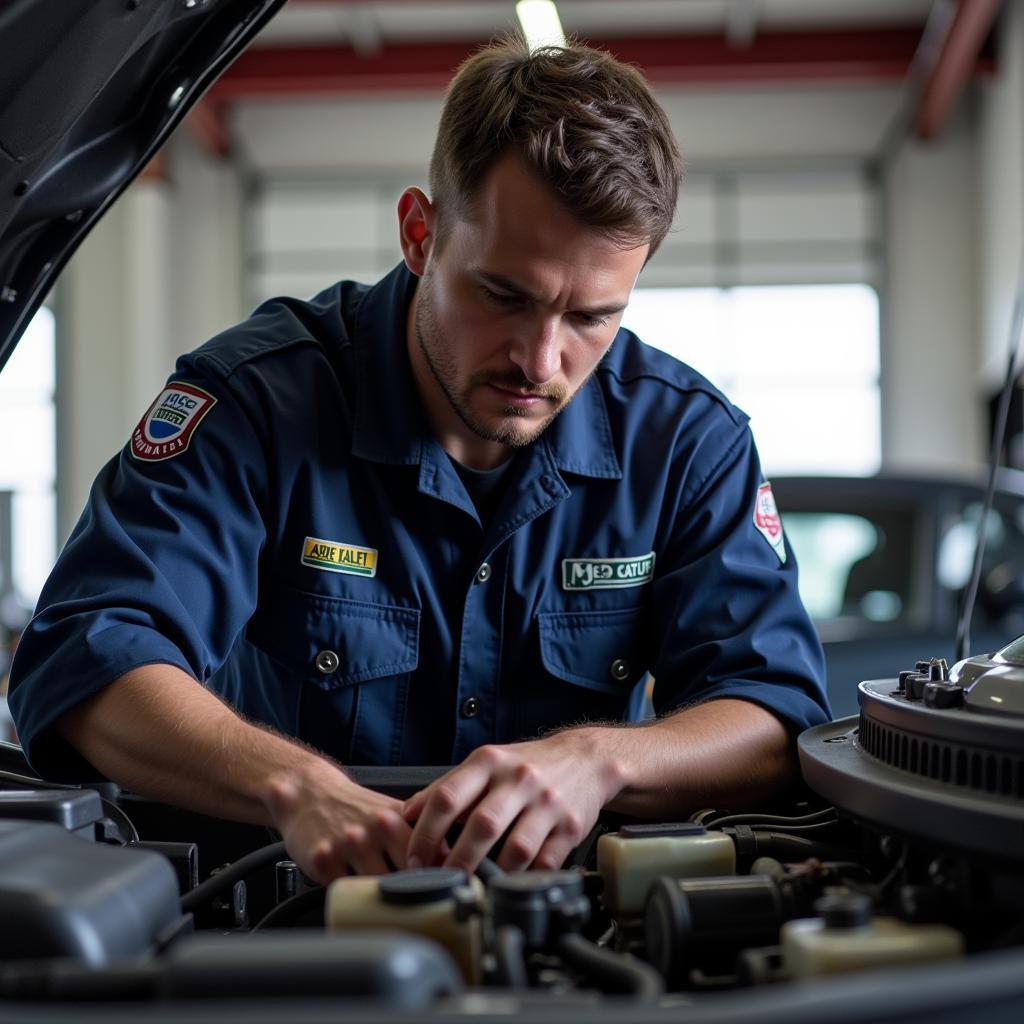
[890,887]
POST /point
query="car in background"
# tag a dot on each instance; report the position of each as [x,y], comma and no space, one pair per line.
[884,562]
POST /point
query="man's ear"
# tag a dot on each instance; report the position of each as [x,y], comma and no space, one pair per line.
[416,221]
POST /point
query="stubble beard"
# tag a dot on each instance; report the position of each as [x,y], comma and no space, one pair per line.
[437,354]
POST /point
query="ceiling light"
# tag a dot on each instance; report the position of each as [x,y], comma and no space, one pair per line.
[540,23]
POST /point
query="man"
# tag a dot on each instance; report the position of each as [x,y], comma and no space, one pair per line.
[443,520]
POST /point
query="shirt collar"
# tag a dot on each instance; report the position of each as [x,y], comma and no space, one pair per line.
[390,425]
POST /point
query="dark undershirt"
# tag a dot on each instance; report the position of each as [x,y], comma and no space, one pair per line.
[484,486]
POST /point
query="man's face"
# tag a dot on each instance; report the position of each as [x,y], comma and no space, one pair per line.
[512,315]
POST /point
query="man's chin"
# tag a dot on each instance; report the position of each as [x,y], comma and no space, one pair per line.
[512,429]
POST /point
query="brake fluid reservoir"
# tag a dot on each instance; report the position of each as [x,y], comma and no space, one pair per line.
[630,861]
[423,902]
[847,938]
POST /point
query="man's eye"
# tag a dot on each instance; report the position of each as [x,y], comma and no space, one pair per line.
[593,321]
[501,298]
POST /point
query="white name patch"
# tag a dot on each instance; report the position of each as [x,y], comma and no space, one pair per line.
[607,573]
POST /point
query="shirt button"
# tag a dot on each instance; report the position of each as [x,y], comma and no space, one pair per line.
[619,669]
[483,574]
[327,662]
[469,708]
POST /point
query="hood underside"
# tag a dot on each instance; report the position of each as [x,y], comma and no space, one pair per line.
[89,91]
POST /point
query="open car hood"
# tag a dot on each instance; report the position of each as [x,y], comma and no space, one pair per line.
[89,91]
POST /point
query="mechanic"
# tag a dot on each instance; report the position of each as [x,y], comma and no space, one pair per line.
[442,520]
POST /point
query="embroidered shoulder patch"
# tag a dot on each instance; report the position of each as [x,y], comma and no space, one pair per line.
[768,521]
[336,557]
[607,573]
[170,421]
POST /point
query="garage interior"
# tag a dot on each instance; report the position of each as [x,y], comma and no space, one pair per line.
[847,264]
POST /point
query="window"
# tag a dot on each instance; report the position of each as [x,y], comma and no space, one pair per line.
[801,360]
[28,460]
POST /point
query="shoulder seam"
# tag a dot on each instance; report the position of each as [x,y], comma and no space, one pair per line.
[716,469]
[694,387]
[226,370]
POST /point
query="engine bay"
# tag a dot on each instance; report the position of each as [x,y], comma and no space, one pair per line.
[891,886]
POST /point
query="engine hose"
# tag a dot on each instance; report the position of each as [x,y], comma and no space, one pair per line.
[225,878]
[613,973]
[753,843]
[508,955]
[288,911]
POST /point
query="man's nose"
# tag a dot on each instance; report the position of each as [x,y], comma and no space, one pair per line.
[538,351]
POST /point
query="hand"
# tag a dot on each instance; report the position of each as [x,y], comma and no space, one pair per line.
[331,826]
[548,792]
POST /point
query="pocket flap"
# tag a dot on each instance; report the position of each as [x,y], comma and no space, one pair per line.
[369,641]
[599,650]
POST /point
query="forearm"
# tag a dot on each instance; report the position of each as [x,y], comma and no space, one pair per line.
[725,753]
[159,733]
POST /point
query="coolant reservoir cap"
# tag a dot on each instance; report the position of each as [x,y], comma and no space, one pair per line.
[848,910]
[524,886]
[679,828]
[423,885]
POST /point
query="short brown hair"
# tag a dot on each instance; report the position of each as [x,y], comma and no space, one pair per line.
[586,123]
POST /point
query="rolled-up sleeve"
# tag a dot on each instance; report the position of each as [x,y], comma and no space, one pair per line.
[162,567]
[730,621]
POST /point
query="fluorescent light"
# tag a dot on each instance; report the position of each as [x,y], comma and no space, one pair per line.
[541,26]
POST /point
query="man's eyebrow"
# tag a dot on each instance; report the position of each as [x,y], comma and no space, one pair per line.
[508,285]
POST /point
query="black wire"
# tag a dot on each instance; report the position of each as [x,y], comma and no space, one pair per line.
[120,818]
[508,958]
[617,973]
[30,782]
[110,809]
[963,631]
[227,877]
[770,819]
[287,911]
[802,830]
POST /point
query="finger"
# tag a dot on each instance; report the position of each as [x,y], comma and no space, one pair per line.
[485,826]
[392,834]
[553,853]
[413,807]
[446,799]
[361,850]
[525,841]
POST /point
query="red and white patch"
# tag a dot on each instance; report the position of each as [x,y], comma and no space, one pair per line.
[768,521]
[170,421]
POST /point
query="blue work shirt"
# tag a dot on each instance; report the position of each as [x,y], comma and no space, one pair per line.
[284,527]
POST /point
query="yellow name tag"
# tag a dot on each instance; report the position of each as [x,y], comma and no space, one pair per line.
[336,557]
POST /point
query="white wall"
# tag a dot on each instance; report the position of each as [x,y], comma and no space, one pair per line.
[931,400]
[713,126]
[1001,195]
[158,275]
[111,327]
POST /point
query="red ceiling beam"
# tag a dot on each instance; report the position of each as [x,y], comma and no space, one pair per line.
[953,64]
[206,122]
[853,56]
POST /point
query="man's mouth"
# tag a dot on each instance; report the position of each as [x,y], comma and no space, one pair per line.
[520,398]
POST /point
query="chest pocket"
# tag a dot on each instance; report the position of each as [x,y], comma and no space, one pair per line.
[591,661]
[352,662]
[335,642]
